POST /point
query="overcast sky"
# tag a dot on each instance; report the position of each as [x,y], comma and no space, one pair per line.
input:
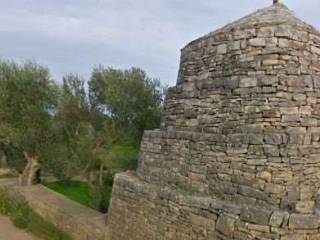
[77,35]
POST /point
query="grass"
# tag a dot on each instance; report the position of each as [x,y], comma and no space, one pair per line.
[119,158]
[122,157]
[25,218]
[77,191]
[81,192]
[106,198]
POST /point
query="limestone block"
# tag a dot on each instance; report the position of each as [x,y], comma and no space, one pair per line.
[273,139]
[266,32]
[278,218]
[271,151]
[305,193]
[236,45]
[290,32]
[309,122]
[226,225]
[289,110]
[192,122]
[274,188]
[270,62]
[294,236]
[269,81]
[248,82]
[256,150]
[299,97]
[259,228]
[305,206]
[254,193]
[315,50]
[300,221]
[296,138]
[255,215]
[256,139]
[314,236]
[222,49]
[306,110]
[265,176]
[257,42]
[283,43]
[257,161]
[271,114]
[290,118]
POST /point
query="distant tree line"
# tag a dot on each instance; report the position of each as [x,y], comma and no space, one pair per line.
[75,129]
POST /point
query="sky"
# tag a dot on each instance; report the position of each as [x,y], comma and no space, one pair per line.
[74,36]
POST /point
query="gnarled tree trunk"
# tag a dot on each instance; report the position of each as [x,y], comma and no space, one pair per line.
[3,159]
[28,176]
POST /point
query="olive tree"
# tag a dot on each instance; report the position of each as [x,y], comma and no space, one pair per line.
[27,103]
[129,97]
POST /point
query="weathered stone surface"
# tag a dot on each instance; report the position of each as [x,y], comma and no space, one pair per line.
[265,176]
[248,82]
[273,139]
[226,225]
[222,49]
[256,215]
[314,236]
[299,221]
[278,218]
[305,206]
[294,236]
[257,42]
[306,193]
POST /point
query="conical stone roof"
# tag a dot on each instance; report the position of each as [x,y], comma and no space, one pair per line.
[268,27]
[273,15]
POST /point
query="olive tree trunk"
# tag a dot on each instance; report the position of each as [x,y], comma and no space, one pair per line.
[28,176]
[3,159]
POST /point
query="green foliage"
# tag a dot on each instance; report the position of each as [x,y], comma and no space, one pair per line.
[71,130]
[106,196]
[75,131]
[131,98]
[15,157]
[6,207]
[121,158]
[24,217]
[27,102]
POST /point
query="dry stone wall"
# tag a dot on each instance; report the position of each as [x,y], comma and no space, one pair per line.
[80,222]
[145,211]
[238,152]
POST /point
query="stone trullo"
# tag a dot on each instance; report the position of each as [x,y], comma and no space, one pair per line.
[238,152]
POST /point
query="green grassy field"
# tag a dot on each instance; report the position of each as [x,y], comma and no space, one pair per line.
[75,190]
[79,192]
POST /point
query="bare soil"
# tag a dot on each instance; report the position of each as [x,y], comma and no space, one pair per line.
[9,232]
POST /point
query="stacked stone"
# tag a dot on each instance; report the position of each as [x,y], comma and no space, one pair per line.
[238,153]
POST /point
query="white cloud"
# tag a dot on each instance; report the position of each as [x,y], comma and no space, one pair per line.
[70,35]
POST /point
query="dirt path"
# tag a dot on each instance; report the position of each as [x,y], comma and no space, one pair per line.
[9,232]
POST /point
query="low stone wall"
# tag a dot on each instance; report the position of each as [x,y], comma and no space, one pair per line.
[6,173]
[152,212]
[79,221]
